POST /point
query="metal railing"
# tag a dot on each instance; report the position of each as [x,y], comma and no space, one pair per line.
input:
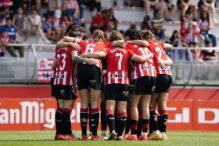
[186,69]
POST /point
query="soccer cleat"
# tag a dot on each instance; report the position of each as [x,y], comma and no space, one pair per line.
[84,137]
[132,137]
[60,137]
[163,136]
[112,136]
[97,137]
[154,136]
[70,137]
[119,138]
[143,137]
[103,136]
[75,136]
[125,136]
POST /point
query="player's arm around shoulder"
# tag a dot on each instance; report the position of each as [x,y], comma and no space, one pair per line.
[138,58]
[78,59]
[68,41]
[139,42]
[100,54]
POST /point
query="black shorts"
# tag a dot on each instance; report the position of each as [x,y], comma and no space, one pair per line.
[88,76]
[163,83]
[118,92]
[52,87]
[143,85]
[65,92]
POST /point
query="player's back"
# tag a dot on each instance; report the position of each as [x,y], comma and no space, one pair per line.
[90,47]
[141,68]
[156,47]
[117,65]
[64,66]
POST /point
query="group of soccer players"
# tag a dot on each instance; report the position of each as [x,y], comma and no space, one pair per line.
[123,70]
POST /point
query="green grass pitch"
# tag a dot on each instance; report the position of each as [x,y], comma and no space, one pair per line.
[45,138]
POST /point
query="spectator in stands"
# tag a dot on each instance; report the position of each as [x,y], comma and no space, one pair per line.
[19,21]
[37,4]
[57,24]
[54,4]
[208,55]
[49,29]
[146,23]
[148,5]
[34,22]
[157,25]
[5,5]
[12,33]
[174,40]
[204,24]
[100,21]
[193,38]
[209,6]
[112,19]
[4,39]
[34,26]
[71,8]
[2,23]
[184,21]
[166,7]
[27,6]
[82,4]
[185,5]
[92,5]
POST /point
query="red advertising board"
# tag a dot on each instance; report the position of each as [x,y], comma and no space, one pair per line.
[32,108]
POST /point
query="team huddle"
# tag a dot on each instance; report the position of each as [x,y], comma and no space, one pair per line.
[129,74]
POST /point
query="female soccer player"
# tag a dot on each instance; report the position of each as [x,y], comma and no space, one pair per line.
[65,85]
[163,83]
[116,82]
[142,81]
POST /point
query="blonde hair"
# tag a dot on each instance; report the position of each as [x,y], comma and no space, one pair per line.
[98,35]
[115,35]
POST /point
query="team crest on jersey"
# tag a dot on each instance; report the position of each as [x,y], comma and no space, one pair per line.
[125,93]
[62,92]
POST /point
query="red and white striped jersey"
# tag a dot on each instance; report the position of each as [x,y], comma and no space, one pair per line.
[65,70]
[90,47]
[146,68]
[156,47]
[191,37]
[117,65]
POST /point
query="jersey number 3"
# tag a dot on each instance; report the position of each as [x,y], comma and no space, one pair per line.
[61,58]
